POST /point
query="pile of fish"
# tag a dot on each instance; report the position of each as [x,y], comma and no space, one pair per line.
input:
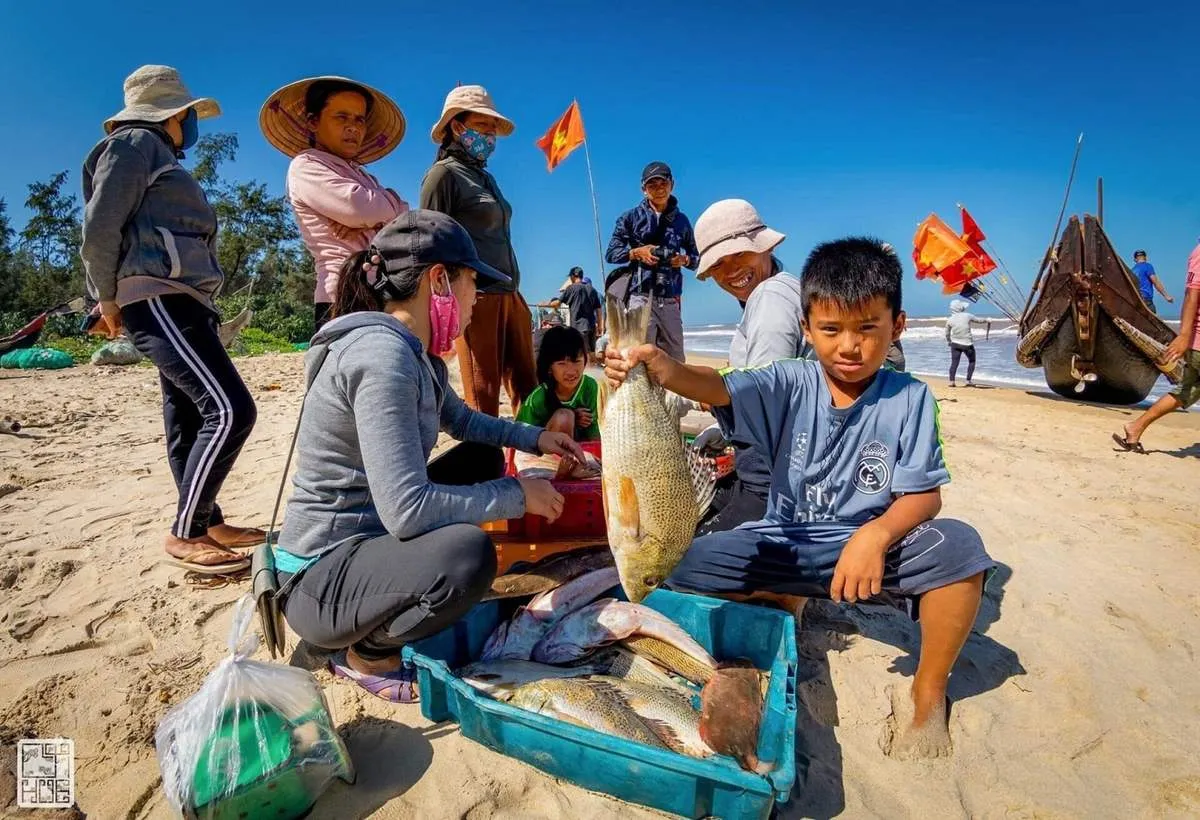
[620,668]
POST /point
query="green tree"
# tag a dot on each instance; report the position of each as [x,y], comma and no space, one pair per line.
[50,244]
[10,286]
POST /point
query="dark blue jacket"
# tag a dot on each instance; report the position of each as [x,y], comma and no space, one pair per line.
[635,228]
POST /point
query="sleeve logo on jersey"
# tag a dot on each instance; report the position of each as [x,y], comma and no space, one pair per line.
[872,474]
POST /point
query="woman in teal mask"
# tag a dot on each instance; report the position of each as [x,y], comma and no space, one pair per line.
[497,348]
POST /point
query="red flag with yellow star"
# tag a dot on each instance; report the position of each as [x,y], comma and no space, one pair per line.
[563,137]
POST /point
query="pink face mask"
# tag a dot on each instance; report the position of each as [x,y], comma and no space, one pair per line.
[443,320]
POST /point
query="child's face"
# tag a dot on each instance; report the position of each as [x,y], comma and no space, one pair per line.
[852,343]
[567,372]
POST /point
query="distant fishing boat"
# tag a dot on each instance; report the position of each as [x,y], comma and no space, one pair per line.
[1086,326]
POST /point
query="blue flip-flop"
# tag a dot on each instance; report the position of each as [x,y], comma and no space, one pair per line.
[397,687]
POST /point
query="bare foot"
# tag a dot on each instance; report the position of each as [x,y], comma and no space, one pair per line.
[231,537]
[203,551]
[916,729]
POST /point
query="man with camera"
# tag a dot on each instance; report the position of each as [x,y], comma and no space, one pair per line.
[652,243]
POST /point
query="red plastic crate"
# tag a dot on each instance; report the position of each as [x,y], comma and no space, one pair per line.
[583,508]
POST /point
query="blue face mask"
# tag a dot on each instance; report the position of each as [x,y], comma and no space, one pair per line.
[191,129]
[480,146]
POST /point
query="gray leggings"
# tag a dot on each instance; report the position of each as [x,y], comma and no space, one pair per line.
[379,594]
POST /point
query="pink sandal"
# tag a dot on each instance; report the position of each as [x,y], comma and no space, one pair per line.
[397,687]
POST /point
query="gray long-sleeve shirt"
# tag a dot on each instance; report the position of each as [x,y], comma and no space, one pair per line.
[375,404]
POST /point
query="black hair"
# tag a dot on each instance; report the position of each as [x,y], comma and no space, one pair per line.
[576,271]
[448,132]
[317,95]
[558,343]
[355,293]
[852,272]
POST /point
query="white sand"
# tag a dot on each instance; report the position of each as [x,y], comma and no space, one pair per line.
[1077,697]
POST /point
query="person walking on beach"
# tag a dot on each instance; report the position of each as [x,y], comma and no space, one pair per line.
[962,343]
[332,127]
[1185,346]
[654,241]
[149,237]
[584,304]
[497,349]
[1148,280]
[738,254]
[380,546]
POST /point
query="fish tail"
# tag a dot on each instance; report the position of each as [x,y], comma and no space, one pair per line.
[628,327]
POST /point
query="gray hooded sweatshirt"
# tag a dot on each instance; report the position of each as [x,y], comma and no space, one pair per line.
[958,325]
[371,417]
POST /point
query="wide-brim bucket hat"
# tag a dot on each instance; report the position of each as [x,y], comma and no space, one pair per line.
[469,98]
[155,93]
[728,227]
[284,121]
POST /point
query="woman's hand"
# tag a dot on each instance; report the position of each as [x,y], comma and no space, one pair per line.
[583,418]
[541,498]
[560,444]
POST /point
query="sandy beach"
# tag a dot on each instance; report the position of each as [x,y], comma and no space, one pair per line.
[1077,695]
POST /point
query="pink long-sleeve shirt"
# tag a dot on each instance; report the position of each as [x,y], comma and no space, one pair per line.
[338,207]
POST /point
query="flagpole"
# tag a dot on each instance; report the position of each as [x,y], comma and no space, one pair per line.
[587,155]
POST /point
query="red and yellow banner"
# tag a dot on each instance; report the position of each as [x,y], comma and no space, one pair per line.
[563,137]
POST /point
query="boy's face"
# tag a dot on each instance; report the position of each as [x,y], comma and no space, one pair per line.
[852,342]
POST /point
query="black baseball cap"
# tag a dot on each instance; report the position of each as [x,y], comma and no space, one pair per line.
[419,238]
[1138,253]
[656,169]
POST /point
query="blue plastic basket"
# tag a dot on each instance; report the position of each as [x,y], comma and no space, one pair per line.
[631,771]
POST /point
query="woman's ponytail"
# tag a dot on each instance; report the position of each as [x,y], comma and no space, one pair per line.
[354,292]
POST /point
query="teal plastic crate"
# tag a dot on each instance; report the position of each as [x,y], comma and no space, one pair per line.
[631,771]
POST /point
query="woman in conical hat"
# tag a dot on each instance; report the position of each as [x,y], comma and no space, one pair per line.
[332,127]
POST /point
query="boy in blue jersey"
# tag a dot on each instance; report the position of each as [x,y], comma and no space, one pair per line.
[856,467]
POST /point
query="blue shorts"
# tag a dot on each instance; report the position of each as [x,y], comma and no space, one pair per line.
[935,554]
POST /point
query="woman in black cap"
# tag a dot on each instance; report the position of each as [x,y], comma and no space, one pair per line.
[379,547]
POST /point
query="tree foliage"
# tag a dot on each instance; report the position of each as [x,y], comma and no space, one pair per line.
[266,267]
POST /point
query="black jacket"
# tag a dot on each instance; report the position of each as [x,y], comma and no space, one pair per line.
[460,186]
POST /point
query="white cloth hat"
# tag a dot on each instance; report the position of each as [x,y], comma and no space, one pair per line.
[469,98]
[284,122]
[155,93]
[728,227]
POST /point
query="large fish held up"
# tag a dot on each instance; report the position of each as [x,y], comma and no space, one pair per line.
[655,488]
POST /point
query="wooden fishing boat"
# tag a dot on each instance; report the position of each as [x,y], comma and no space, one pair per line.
[1086,325]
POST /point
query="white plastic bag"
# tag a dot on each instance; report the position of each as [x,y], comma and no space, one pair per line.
[118,351]
[256,740]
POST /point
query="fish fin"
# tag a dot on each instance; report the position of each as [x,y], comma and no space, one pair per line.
[664,732]
[628,514]
[704,481]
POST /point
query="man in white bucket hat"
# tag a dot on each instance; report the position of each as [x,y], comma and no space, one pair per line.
[737,252]
[149,239]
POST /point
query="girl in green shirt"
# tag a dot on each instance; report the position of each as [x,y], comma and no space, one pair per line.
[566,400]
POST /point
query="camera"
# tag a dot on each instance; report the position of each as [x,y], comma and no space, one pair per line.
[662,254]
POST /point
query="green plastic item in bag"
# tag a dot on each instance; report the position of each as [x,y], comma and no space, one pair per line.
[36,358]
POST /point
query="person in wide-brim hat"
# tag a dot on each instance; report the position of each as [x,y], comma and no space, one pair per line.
[148,241]
[459,184]
[286,118]
[331,126]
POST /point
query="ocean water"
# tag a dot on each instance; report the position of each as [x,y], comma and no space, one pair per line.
[927,354]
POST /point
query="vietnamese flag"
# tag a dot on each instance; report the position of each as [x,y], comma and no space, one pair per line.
[563,137]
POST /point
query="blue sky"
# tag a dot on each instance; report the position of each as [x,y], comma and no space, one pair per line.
[833,119]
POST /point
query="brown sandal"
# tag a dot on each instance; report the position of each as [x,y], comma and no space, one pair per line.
[1129,446]
[192,565]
